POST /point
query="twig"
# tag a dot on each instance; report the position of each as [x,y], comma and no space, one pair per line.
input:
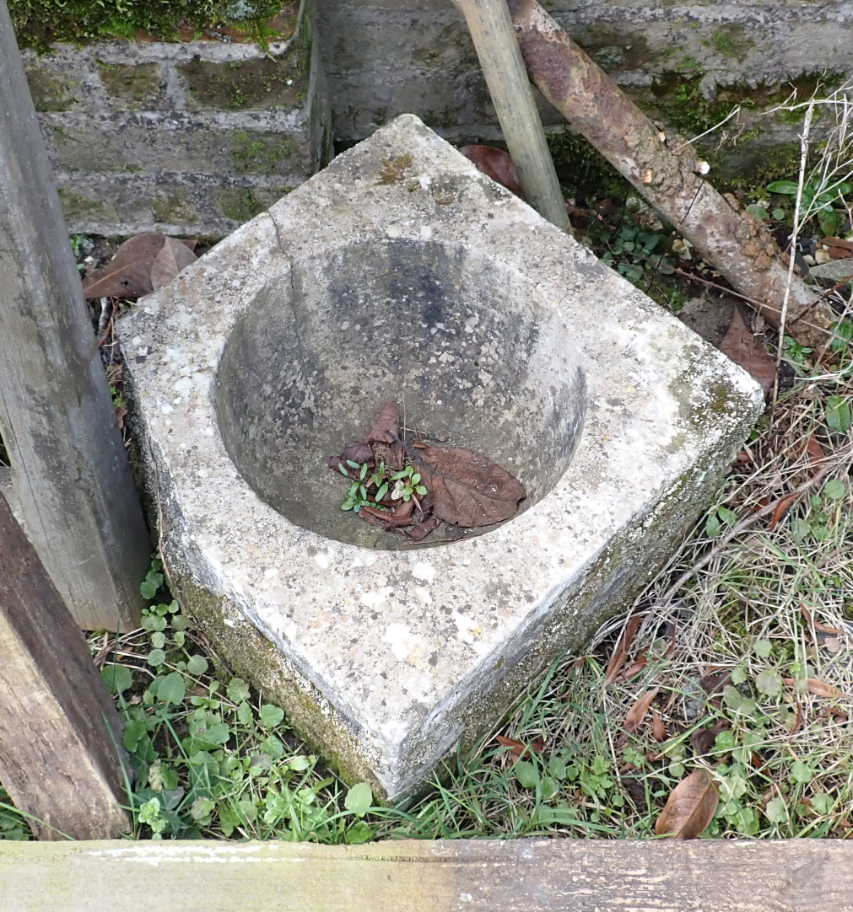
[737,294]
[795,230]
[747,523]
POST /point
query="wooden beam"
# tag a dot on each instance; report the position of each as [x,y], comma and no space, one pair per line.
[544,875]
[60,734]
[69,467]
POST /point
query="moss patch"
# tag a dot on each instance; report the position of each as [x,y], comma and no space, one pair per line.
[248,84]
[582,170]
[40,23]
[678,99]
[242,204]
[173,208]
[261,152]
[49,93]
[76,206]
[612,49]
[136,86]
[731,41]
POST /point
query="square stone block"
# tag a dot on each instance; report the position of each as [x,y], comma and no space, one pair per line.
[400,272]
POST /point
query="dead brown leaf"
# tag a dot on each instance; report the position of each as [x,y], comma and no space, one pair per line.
[422,529]
[142,264]
[823,628]
[386,428]
[690,807]
[358,452]
[496,164]
[634,668]
[658,727]
[781,509]
[814,449]
[743,348]
[635,715]
[838,248]
[174,257]
[713,683]
[816,687]
[467,488]
[620,653]
[518,748]
[703,739]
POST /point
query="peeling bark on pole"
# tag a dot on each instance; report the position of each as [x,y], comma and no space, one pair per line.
[737,244]
[69,467]
[60,734]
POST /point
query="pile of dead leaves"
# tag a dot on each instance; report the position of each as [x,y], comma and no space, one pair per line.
[413,489]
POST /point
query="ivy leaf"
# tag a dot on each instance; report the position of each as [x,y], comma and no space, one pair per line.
[197,665]
[171,688]
[117,678]
[834,489]
[156,658]
[271,715]
[769,682]
[359,799]
[527,774]
[238,690]
[838,414]
[777,810]
[244,713]
[359,833]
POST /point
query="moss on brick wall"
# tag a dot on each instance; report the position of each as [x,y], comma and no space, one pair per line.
[39,23]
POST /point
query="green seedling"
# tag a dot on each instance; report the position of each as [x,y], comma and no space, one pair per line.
[796,355]
[816,201]
[632,253]
[358,495]
[407,485]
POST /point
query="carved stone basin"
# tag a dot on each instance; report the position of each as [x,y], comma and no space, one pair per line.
[401,273]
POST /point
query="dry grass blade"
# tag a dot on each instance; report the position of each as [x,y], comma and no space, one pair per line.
[690,807]
[620,653]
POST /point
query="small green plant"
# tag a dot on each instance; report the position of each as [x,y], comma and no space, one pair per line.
[819,201]
[358,495]
[81,247]
[759,210]
[631,251]
[207,757]
[366,489]
[407,484]
[796,355]
[717,519]
[372,488]
[842,336]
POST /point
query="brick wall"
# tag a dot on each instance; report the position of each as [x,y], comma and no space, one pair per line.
[181,138]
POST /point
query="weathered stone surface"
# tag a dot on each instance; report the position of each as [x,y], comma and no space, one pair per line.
[422,281]
[376,50]
[188,138]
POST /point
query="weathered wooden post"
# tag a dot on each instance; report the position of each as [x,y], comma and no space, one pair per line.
[69,468]
[60,734]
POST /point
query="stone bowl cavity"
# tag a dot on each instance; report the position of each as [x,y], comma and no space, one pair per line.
[463,345]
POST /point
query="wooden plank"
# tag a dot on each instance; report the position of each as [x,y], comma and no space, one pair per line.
[60,734]
[69,466]
[545,875]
